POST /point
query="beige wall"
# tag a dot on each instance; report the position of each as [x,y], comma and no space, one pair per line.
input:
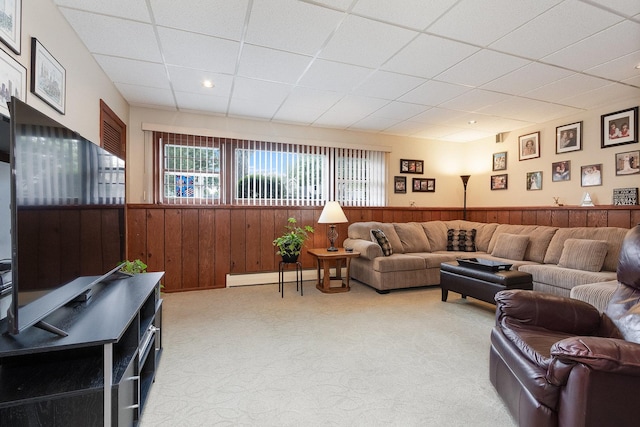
[86,83]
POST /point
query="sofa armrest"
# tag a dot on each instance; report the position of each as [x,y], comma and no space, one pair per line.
[367,249]
[597,353]
[553,312]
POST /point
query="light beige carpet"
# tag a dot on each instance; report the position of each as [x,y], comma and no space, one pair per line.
[246,357]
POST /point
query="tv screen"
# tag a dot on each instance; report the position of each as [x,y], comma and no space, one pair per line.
[67,213]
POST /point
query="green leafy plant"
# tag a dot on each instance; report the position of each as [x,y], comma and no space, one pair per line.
[290,243]
[134,267]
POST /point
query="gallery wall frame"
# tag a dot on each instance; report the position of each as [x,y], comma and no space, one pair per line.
[424,185]
[48,77]
[500,182]
[561,171]
[500,161]
[569,138]
[11,25]
[628,163]
[13,81]
[411,166]
[529,146]
[591,175]
[619,128]
[534,181]
[400,184]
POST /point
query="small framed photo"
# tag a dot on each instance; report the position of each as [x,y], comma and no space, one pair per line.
[534,181]
[500,161]
[424,185]
[499,182]
[569,138]
[399,184]
[11,24]
[591,175]
[628,163]
[13,81]
[411,166]
[48,77]
[619,128]
[529,146]
[561,171]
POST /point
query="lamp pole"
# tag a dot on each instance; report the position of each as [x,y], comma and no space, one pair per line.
[465,179]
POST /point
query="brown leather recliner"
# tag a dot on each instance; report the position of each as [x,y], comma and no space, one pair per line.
[557,361]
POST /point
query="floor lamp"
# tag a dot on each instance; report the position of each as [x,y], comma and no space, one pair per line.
[332,214]
[465,179]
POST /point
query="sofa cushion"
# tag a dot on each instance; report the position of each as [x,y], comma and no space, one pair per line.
[461,240]
[553,279]
[436,232]
[398,262]
[484,231]
[412,237]
[378,236]
[510,246]
[583,254]
[539,238]
[613,235]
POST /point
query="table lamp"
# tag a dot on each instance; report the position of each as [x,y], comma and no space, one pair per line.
[332,214]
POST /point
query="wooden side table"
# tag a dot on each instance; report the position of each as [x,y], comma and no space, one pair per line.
[325,259]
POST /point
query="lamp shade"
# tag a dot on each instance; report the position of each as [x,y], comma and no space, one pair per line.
[332,214]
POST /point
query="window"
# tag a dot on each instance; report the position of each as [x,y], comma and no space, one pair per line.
[207,170]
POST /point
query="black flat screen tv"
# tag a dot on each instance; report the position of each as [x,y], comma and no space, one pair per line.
[67,198]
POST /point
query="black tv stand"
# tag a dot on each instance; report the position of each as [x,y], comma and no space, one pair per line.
[99,374]
[50,328]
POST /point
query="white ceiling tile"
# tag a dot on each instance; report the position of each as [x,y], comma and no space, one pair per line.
[272,92]
[269,64]
[486,65]
[130,9]
[527,78]
[200,102]
[373,124]
[433,93]
[435,132]
[127,39]
[335,4]
[220,18]
[555,29]
[191,80]
[298,114]
[569,86]
[428,56]
[624,7]
[333,76]
[399,111]
[286,25]
[602,96]
[349,110]
[416,14]
[473,100]
[365,42]
[597,49]
[621,68]
[251,108]
[313,98]
[134,72]
[438,116]
[197,51]
[382,84]
[483,22]
[147,96]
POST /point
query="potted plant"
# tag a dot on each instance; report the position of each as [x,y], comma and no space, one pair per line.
[290,243]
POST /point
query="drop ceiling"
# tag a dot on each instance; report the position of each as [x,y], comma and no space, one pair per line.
[418,68]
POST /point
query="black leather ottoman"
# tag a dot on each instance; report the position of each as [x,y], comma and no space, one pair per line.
[480,284]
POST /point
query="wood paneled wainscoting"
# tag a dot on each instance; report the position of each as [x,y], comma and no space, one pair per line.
[197,247]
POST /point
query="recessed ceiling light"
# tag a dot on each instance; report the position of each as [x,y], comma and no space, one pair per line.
[638,67]
[207,83]
[472,122]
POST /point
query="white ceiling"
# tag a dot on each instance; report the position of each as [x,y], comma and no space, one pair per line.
[404,67]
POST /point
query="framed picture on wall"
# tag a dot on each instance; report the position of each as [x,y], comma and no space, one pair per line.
[13,80]
[561,171]
[424,185]
[591,175]
[569,138]
[500,161]
[534,181]
[628,163]
[411,166]
[499,182]
[529,146]
[11,24]
[619,128]
[48,77]
[399,184]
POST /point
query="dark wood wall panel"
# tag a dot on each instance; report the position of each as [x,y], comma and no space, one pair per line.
[198,246]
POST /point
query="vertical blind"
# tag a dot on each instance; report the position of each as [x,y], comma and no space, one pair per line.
[207,170]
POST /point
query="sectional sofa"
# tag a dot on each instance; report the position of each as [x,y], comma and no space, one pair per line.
[405,255]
